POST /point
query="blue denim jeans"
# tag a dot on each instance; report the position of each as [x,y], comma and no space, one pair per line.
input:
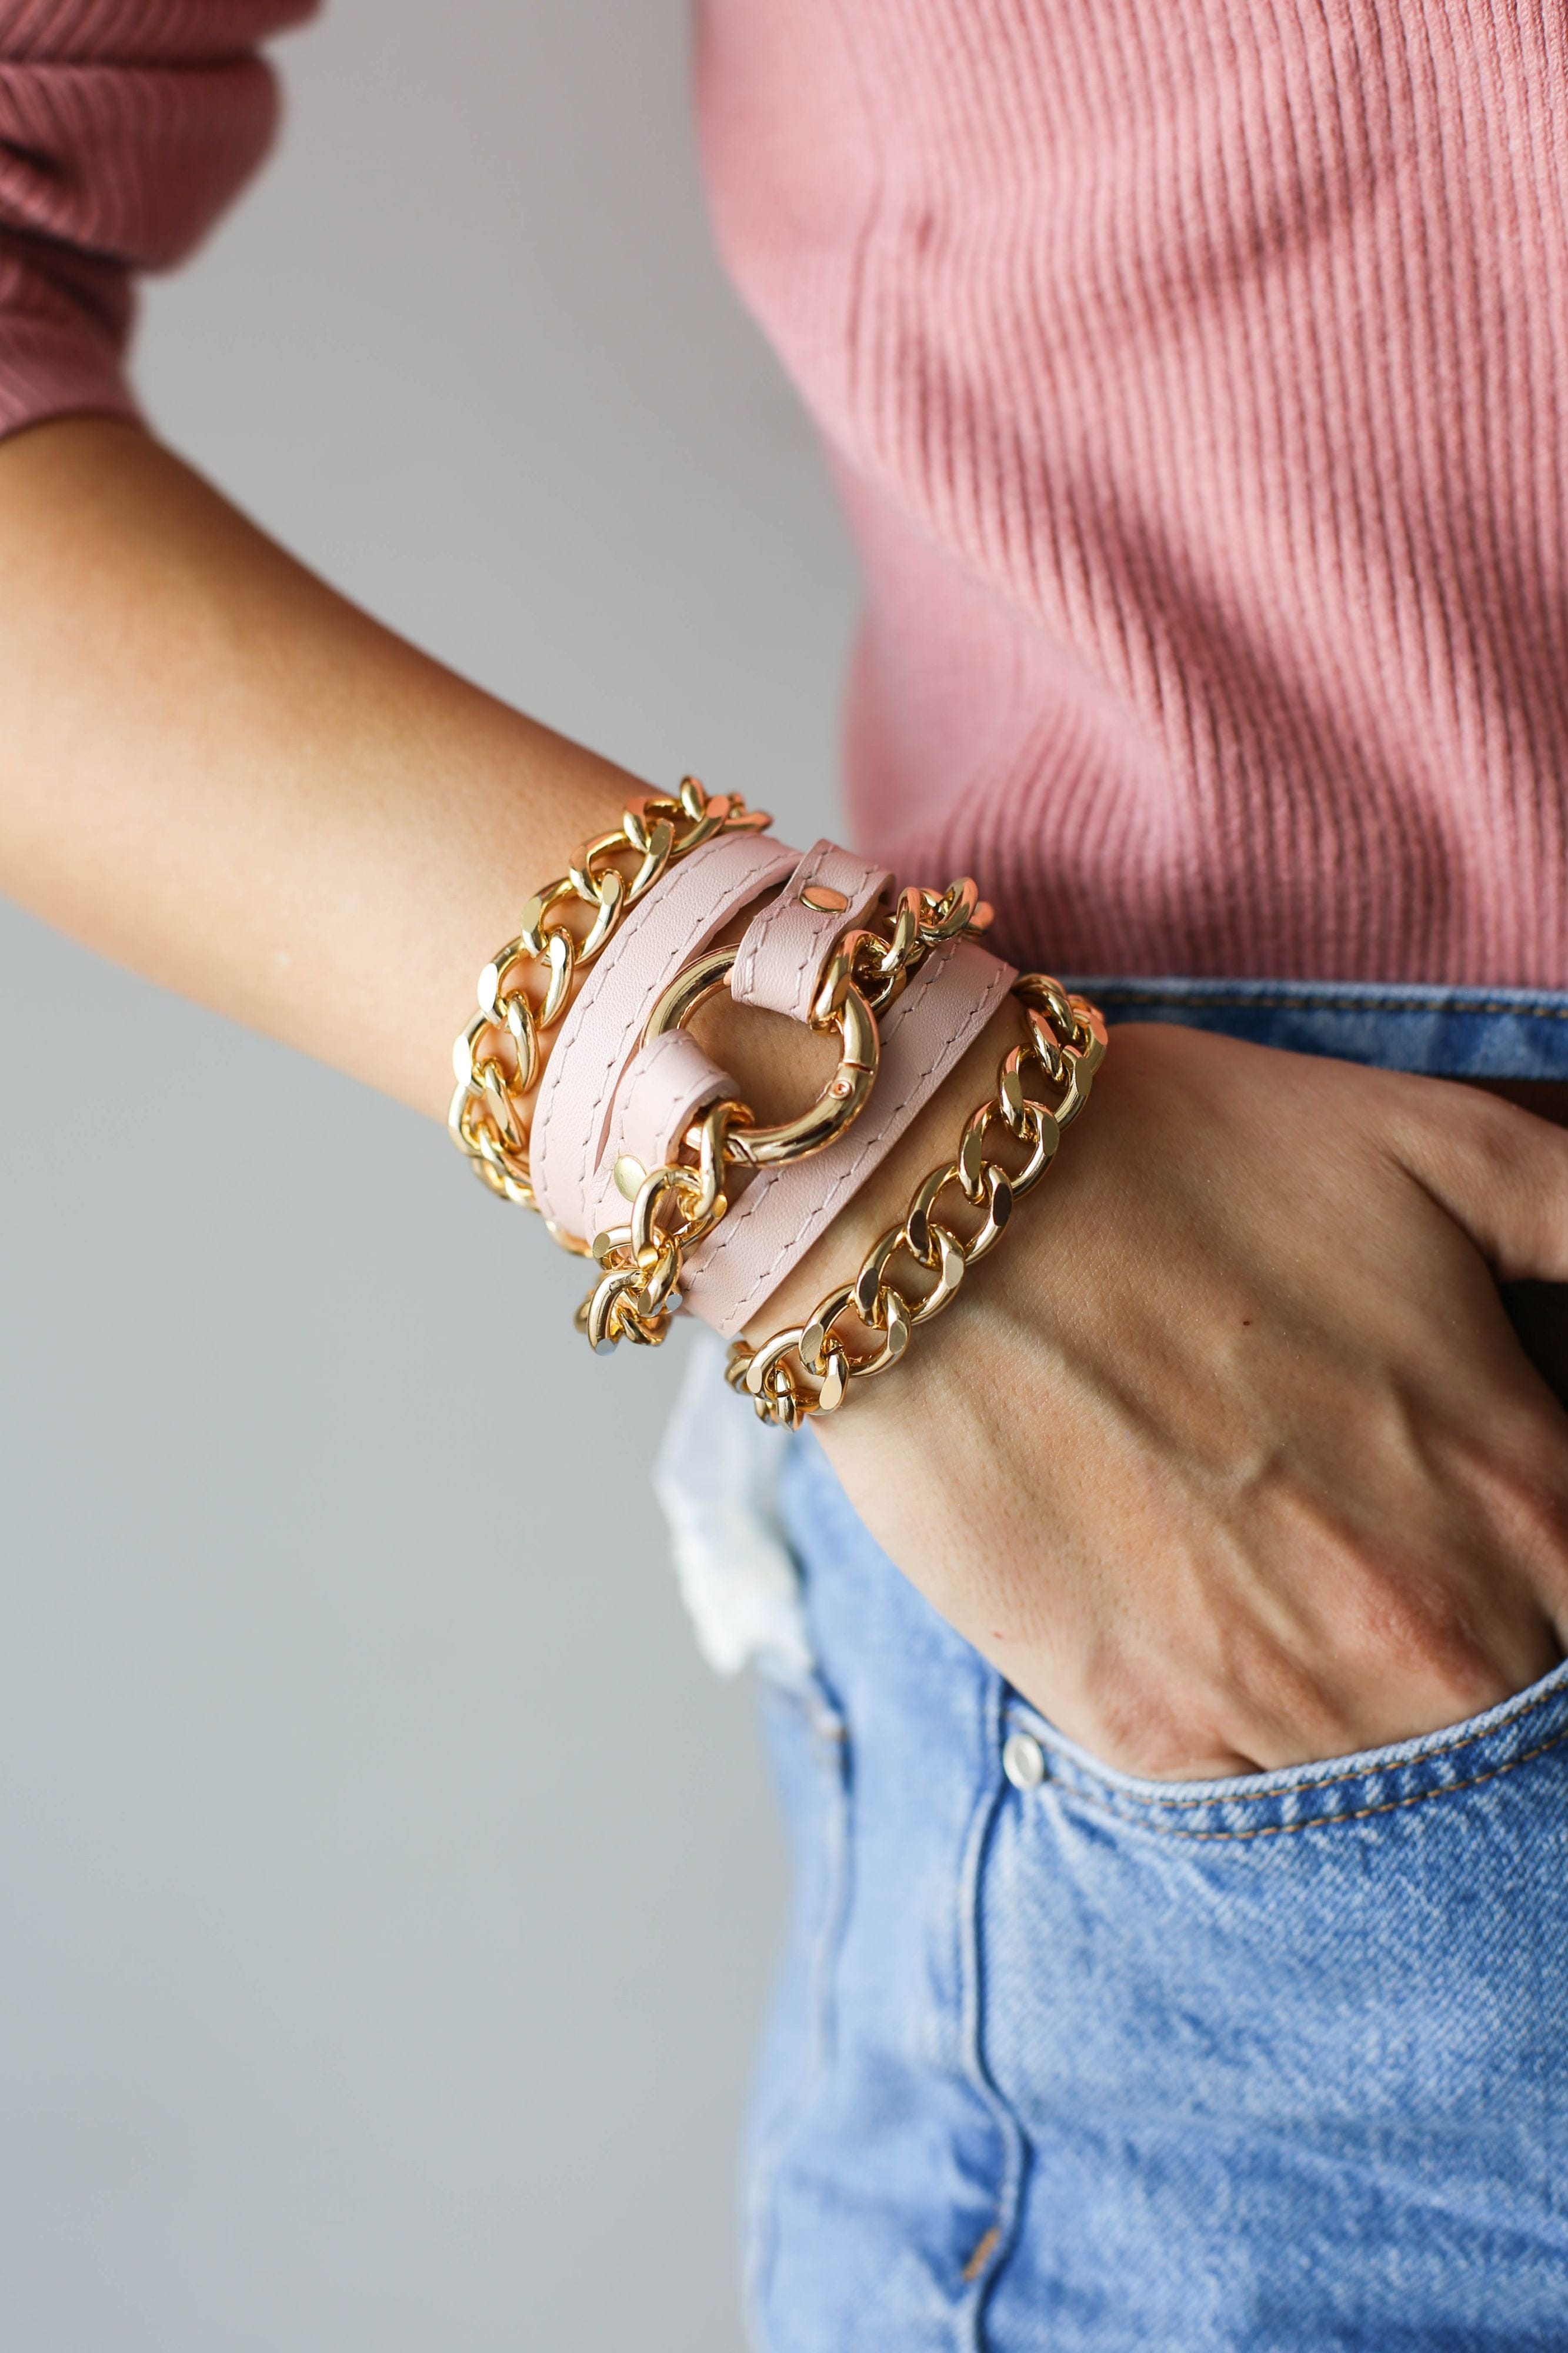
[1062,2059]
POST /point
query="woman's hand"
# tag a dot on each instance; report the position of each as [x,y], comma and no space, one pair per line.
[1228,1457]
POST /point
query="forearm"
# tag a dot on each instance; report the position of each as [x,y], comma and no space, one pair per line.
[217,771]
[222,774]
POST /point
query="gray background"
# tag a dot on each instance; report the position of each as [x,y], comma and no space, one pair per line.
[388,1892]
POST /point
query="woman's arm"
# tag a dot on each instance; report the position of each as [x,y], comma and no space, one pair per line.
[1229,1458]
[210,766]
[217,771]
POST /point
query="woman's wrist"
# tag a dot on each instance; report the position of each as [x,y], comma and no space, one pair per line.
[643,1144]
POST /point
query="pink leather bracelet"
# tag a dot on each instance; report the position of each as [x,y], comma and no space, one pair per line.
[731,1277]
[603,1028]
[778,965]
[780,1211]
[667,1083]
[605,1094]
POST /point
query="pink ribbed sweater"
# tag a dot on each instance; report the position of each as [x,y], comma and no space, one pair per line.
[1196,374]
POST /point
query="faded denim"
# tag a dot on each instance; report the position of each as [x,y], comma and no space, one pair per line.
[1277,2064]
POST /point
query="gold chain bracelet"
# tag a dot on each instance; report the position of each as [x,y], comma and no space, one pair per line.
[486,1120]
[882,963]
[676,1206]
[809,1369]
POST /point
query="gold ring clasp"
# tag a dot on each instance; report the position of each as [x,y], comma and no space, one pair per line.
[843,1097]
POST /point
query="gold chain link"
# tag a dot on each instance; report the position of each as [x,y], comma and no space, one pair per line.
[809,1368]
[881,964]
[498,1060]
[676,1206]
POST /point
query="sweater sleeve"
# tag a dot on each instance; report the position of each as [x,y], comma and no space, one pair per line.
[125,128]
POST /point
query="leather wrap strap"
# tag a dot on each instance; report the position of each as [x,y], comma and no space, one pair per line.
[603,1028]
[664,1085]
[605,1094]
[731,1277]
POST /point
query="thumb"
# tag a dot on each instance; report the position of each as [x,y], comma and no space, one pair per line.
[1501,1172]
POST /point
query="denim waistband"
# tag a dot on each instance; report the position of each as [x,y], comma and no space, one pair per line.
[1439,1031]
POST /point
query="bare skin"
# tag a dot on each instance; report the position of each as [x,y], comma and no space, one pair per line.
[1229,1458]
[213,769]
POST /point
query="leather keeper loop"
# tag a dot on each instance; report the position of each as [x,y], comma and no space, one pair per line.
[784,949]
[667,1083]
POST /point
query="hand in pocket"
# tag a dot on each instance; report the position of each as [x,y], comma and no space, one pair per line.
[1230,1459]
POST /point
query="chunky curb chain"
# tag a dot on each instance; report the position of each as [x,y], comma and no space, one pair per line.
[880,962]
[498,1060]
[863,1328]
[676,1206]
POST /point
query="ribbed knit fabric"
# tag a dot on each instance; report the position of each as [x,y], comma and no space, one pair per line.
[1196,373]
[125,126]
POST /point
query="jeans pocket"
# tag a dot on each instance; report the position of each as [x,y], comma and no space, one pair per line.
[1359,1788]
[1288,2049]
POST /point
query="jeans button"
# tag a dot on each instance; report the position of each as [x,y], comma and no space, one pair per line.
[1023,1760]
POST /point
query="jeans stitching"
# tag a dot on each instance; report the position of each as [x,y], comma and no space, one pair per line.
[1317,1822]
[1274,1004]
[971,1961]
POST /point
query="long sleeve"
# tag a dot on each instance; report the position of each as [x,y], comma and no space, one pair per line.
[125,127]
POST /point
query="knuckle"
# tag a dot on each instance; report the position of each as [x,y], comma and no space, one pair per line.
[1521,1473]
[1467,1680]
[1156,1736]
[1423,1634]
[1500,1136]
[1540,1479]
[1520,1158]
[1435,1662]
